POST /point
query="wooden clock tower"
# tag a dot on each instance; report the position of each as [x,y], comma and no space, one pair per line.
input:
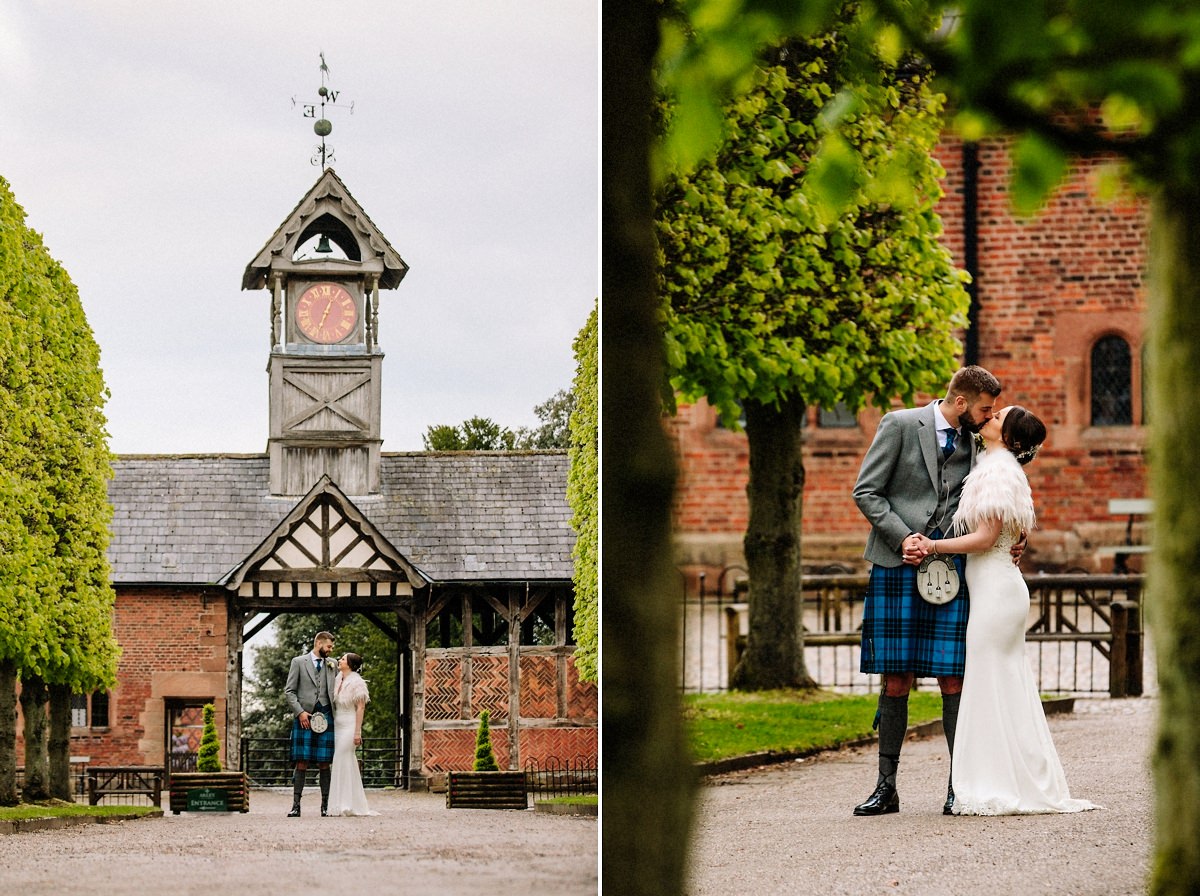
[325,266]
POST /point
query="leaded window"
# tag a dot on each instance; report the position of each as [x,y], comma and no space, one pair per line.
[1112,377]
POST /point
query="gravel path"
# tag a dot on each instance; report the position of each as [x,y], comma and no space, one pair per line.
[789,829]
[415,846]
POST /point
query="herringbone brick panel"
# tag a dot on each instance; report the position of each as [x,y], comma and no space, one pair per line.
[539,685]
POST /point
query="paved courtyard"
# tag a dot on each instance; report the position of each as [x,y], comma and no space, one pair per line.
[789,828]
[414,846]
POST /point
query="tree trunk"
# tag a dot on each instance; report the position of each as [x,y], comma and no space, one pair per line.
[774,656]
[8,734]
[1173,594]
[648,777]
[33,707]
[60,743]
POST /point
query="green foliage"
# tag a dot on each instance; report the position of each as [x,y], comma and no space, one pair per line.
[793,264]
[484,434]
[485,758]
[476,434]
[209,757]
[56,599]
[583,494]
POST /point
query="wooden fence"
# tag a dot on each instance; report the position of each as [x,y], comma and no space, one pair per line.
[1084,634]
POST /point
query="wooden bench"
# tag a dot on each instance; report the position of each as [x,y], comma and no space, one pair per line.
[486,790]
[1133,508]
[125,780]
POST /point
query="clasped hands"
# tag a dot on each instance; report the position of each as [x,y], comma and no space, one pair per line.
[916,548]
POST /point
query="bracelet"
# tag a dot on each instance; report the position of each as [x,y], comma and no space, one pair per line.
[933,545]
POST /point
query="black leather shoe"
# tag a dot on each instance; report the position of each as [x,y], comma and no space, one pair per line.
[324,812]
[884,801]
[295,813]
[948,809]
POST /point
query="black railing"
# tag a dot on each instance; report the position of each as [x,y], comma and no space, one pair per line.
[562,777]
[1084,634]
[267,762]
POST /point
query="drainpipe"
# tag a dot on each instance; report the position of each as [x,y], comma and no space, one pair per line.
[970,165]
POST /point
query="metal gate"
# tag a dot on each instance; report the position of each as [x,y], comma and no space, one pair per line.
[267,762]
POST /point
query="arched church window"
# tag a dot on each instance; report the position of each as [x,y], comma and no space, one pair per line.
[1112,378]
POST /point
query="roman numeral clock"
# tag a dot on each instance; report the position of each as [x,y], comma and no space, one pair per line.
[324,267]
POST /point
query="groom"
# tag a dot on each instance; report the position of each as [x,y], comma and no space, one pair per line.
[909,484]
[309,690]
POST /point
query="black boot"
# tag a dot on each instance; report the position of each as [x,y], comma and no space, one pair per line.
[297,792]
[884,801]
[893,723]
[950,704]
[324,777]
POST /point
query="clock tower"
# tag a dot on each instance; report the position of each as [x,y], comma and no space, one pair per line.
[324,267]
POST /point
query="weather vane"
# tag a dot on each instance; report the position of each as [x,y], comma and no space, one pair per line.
[323,127]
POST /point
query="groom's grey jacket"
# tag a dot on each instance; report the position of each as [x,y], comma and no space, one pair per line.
[303,688]
[900,488]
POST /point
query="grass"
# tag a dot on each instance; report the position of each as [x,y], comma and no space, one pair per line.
[587,799]
[59,809]
[724,725]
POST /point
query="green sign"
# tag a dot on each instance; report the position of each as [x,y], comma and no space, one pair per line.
[207,799]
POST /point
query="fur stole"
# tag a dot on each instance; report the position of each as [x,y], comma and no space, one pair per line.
[353,689]
[995,487]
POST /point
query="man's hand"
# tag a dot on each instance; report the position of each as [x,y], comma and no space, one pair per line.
[912,551]
[1019,548]
[304,717]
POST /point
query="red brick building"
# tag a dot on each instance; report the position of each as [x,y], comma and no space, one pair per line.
[1057,316]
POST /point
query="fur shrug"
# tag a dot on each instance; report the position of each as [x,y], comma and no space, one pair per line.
[995,487]
[353,689]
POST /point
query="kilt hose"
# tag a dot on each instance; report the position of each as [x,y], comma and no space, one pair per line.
[308,746]
[901,632]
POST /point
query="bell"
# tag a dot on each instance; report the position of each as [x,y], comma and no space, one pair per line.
[323,246]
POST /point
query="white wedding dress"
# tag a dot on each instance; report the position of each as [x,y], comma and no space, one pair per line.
[346,794]
[1004,759]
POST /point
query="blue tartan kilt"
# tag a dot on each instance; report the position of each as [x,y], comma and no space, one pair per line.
[308,746]
[903,633]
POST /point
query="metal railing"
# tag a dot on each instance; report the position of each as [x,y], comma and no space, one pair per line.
[267,762]
[1084,633]
[554,777]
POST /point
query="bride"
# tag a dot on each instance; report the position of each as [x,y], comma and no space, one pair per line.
[350,698]
[1004,760]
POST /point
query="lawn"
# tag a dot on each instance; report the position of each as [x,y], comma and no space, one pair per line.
[724,725]
[58,809]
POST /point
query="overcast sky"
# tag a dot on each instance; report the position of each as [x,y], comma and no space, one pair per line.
[156,148]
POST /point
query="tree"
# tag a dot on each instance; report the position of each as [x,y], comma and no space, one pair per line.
[645,753]
[555,429]
[583,494]
[209,757]
[476,434]
[485,757]
[56,597]
[774,303]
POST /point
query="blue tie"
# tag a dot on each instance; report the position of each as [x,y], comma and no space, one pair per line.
[948,448]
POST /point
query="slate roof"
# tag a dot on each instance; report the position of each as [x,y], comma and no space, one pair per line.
[462,516]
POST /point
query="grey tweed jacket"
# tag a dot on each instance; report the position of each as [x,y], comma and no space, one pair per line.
[303,689]
[898,484]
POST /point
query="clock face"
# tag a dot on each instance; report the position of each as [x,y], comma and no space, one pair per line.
[326,313]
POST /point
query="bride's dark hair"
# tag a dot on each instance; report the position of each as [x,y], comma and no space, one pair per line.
[1022,433]
[354,661]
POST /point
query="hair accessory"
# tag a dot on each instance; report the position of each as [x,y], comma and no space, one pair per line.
[1029,454]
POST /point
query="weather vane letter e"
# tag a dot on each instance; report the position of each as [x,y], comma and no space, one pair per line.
[322,127]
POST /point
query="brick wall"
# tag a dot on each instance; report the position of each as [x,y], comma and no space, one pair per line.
[1048,288]
[173,645]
